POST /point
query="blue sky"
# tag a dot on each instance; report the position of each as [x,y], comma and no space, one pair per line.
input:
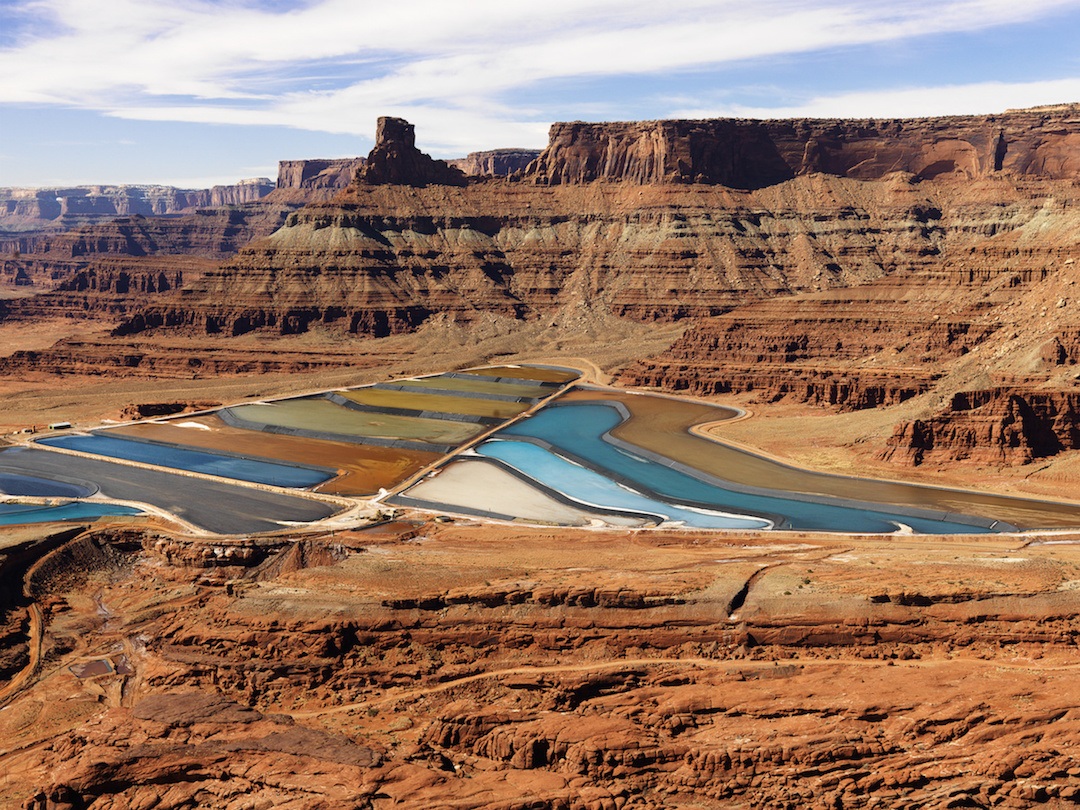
[211,91]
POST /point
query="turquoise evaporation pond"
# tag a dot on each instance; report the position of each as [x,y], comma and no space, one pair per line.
[12,514]
[578,430]
[241,469]
[586,486]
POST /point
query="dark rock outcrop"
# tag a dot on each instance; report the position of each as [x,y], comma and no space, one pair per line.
[395,160]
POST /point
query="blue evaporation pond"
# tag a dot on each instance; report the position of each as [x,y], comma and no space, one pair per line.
[589,487]
[578,430]
[15,513]
[28,485]
[179,458]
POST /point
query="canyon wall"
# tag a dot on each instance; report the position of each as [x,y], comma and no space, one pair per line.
[984,308]
[30,208]
[1000,425]
[753,154]
[861,264]
[384,258]
[117,267]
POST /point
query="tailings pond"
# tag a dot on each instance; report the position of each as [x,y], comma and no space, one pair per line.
[586,456]
[577,431]
[179,458]
[321,418]
[216,506]
[604,451]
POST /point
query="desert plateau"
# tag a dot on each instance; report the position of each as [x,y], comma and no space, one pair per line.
[689,464]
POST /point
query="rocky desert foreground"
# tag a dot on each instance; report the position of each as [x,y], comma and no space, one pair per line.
[463,665]
[889,299]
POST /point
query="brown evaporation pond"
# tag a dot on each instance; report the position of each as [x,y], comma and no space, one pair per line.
[479,386]
[92,669]
[661,425]
[443,403]
[525,373]
[322,415]
[365,469]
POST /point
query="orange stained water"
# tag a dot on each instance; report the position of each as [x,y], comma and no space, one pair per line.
[365,469]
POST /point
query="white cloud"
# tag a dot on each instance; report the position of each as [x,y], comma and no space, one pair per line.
[962,99]
[453,67]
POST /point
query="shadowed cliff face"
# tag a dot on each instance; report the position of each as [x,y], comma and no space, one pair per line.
[994,426]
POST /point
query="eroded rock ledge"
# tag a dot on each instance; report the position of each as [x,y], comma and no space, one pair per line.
[1001,425]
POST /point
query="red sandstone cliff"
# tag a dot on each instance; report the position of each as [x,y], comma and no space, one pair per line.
[1003,425]
[753,154]
[395,160]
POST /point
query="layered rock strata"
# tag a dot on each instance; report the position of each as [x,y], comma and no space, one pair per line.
[754,154]
[495,162]
[318,174]
[984,309]
[637,673]
[1003,425]
[37,208]
[119,266]
[382,259]
[184,359]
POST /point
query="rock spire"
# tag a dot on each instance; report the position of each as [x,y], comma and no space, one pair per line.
[395,160]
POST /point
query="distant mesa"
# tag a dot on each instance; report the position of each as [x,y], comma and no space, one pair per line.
[495,162]
[73,204]
[318,174]
[753,154]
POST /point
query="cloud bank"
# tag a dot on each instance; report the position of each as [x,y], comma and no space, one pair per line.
[459,69]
